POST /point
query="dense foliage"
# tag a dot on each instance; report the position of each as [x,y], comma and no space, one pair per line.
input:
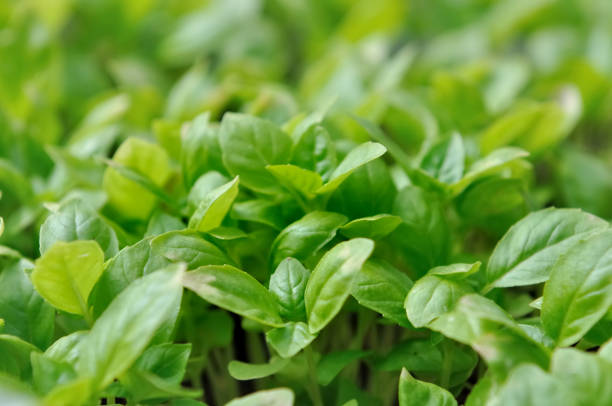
[305,202]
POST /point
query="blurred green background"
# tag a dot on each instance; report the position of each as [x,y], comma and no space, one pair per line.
[78,76]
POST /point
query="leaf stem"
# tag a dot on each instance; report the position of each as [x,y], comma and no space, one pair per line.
[315,392]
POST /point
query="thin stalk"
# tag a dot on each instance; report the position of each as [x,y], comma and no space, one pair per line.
[315,391]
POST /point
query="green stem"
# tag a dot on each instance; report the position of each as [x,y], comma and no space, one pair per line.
[315,392]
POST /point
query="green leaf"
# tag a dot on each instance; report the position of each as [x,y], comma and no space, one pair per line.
[456,271]
[16,357]
[258,211]
[479,322]
[374,227]
[66,274]
[445,160]
[205,184]
[367,192]
[528,251]
[236,291]
[76,221]
[419,393]
[288,283]
[585,376]
[145,386]
[129,197]
[129,264]
[359,156]
[528,385]
[382,288]
[269,397]
[314,149]
[490,164]
[245,372]
[290,339]
[423,236]
[161,223]
[431,361]
[333,363]
[297,180]
[579,291]
[25,314]
[70,393]
[249,144]
[201,150]
[533,126]
[331,281]
[189,247]
[48,373]
[433,296]
[306,236]
[158,372]
[605,351]
[214,207]
[125,328]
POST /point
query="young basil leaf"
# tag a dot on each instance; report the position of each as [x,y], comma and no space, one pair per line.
[203,186]
[418,393]
[479,322]
[306,236]
[529,385]
[374,227]
[25,314]
[48,373]
[290,339]
[579,291]
[201,150]
[585,376]
[128,265]
[456,271]
[423,236]
[214,207]
[258,211]
[66,348]
[528,251]
[432,296]
[445,160]
[269,397]
[76,221]
[331,281]
[16,357]
[125,328]
[236,291]
[426,359]
[161,223]
[189,247]
[605,351]
[297,180]
[73,392]
[492,163]
[333,363]
[158,373]
[66,274]
[382,288]
[367,192]
[145,386]
[359,156]
[128,197]
[249,144]
[288,283]
[244,372]
[314,150]
[1,226]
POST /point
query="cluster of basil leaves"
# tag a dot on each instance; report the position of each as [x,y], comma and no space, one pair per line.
[176,232]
